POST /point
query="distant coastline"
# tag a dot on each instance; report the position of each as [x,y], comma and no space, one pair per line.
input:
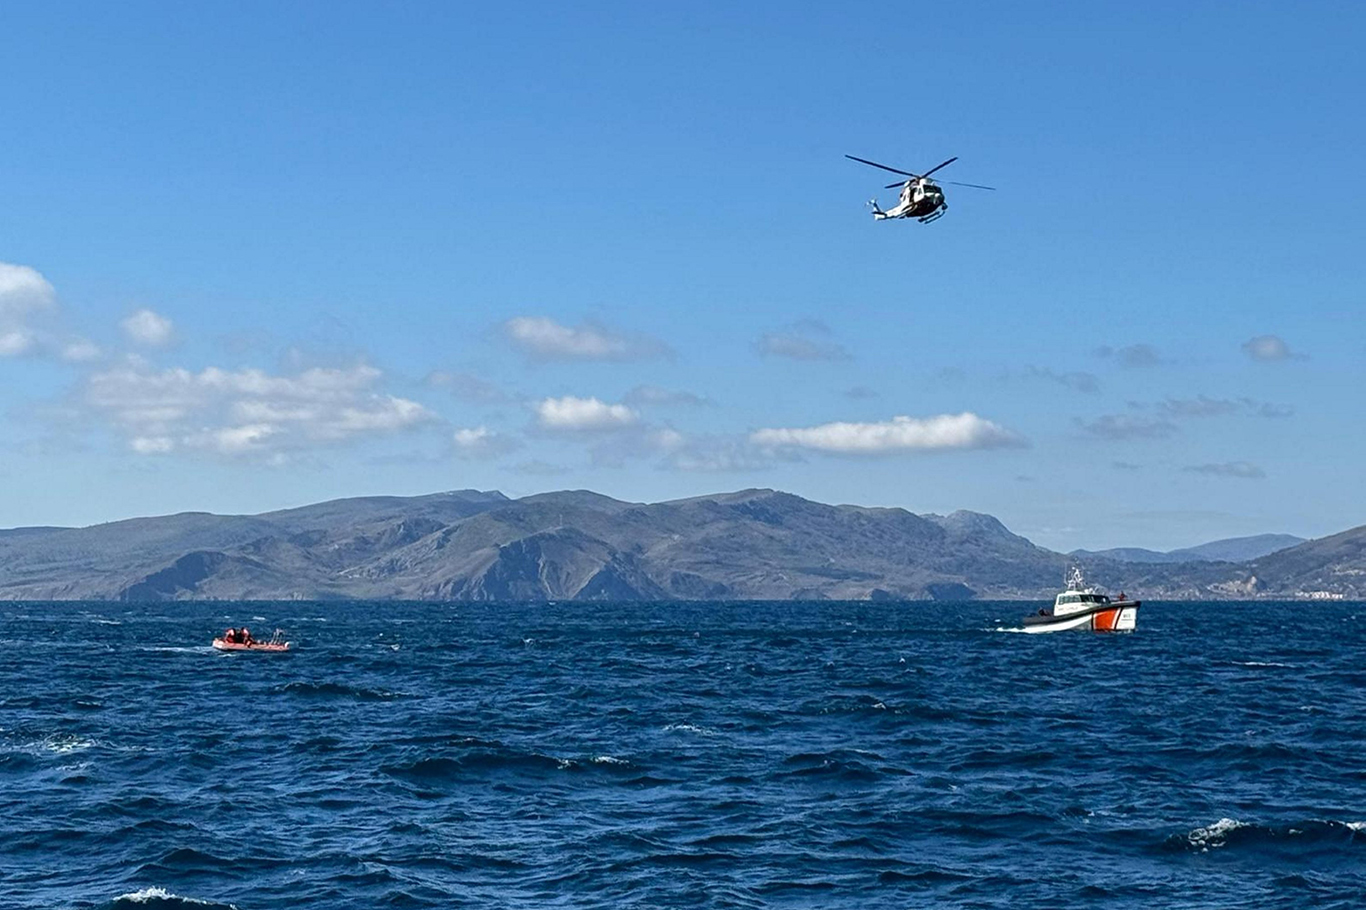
[470,545]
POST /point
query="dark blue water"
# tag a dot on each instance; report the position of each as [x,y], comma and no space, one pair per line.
[681,755]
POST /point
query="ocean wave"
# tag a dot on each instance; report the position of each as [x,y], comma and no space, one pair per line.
[496,758]
[52,744]
[453,769]
[1232,833]
[929,876]
[845,704]
[337,690]
[842,764]
[155,897]
[689,728]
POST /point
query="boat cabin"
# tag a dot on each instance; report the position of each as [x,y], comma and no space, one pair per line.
[1077,601]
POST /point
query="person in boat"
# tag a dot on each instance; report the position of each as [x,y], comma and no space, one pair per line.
[244,637]
[230,636]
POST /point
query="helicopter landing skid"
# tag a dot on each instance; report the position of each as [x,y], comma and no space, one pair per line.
[934,216]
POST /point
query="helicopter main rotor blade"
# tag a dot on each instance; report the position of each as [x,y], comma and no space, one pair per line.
[975,186]
[938,166]
[885,167]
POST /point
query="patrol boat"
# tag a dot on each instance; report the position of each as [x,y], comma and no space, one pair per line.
[1083,607]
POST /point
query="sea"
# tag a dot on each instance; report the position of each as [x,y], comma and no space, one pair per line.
[661,755]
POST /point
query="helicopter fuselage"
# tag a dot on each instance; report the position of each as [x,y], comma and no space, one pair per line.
[920,199]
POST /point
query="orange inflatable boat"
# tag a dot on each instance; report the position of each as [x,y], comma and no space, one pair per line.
[232,641]
[222,645]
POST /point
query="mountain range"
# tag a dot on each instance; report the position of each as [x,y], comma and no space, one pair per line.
[579,545]
[1233,549]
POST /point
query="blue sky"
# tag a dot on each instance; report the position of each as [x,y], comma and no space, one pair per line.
[257,256]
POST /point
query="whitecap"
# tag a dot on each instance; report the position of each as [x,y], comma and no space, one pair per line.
[609,760]
[66,743]
[689,728]
[161,894]
[1261,663]
[1214,835]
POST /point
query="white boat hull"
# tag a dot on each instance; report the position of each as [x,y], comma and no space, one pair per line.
[1110,618]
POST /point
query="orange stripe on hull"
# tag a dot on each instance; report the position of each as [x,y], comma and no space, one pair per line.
[1105,621]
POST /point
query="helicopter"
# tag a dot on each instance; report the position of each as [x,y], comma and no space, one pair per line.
[921,197]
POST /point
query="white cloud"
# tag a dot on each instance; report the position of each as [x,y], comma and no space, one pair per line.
[540,469]
[30,318]
[1127,426]
[1204,406]
[654,395]
[1133,356]
[1200,406]
[1077,380]
[481,443]
[80,350]
[665,439]
[1269,348]
[467,387]
[900,434]
[570,413]
[15,342]
[1241,469]
[615,449]
[148,328]
[24,292]
[542,338]
[151,445]
[719,454]
[244,411]
[805,340]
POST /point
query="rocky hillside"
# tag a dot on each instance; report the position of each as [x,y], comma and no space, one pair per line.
[470,545]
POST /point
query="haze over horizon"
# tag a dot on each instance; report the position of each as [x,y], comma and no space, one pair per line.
[353,253]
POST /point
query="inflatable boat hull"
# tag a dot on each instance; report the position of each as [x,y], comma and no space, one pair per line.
[222,645]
